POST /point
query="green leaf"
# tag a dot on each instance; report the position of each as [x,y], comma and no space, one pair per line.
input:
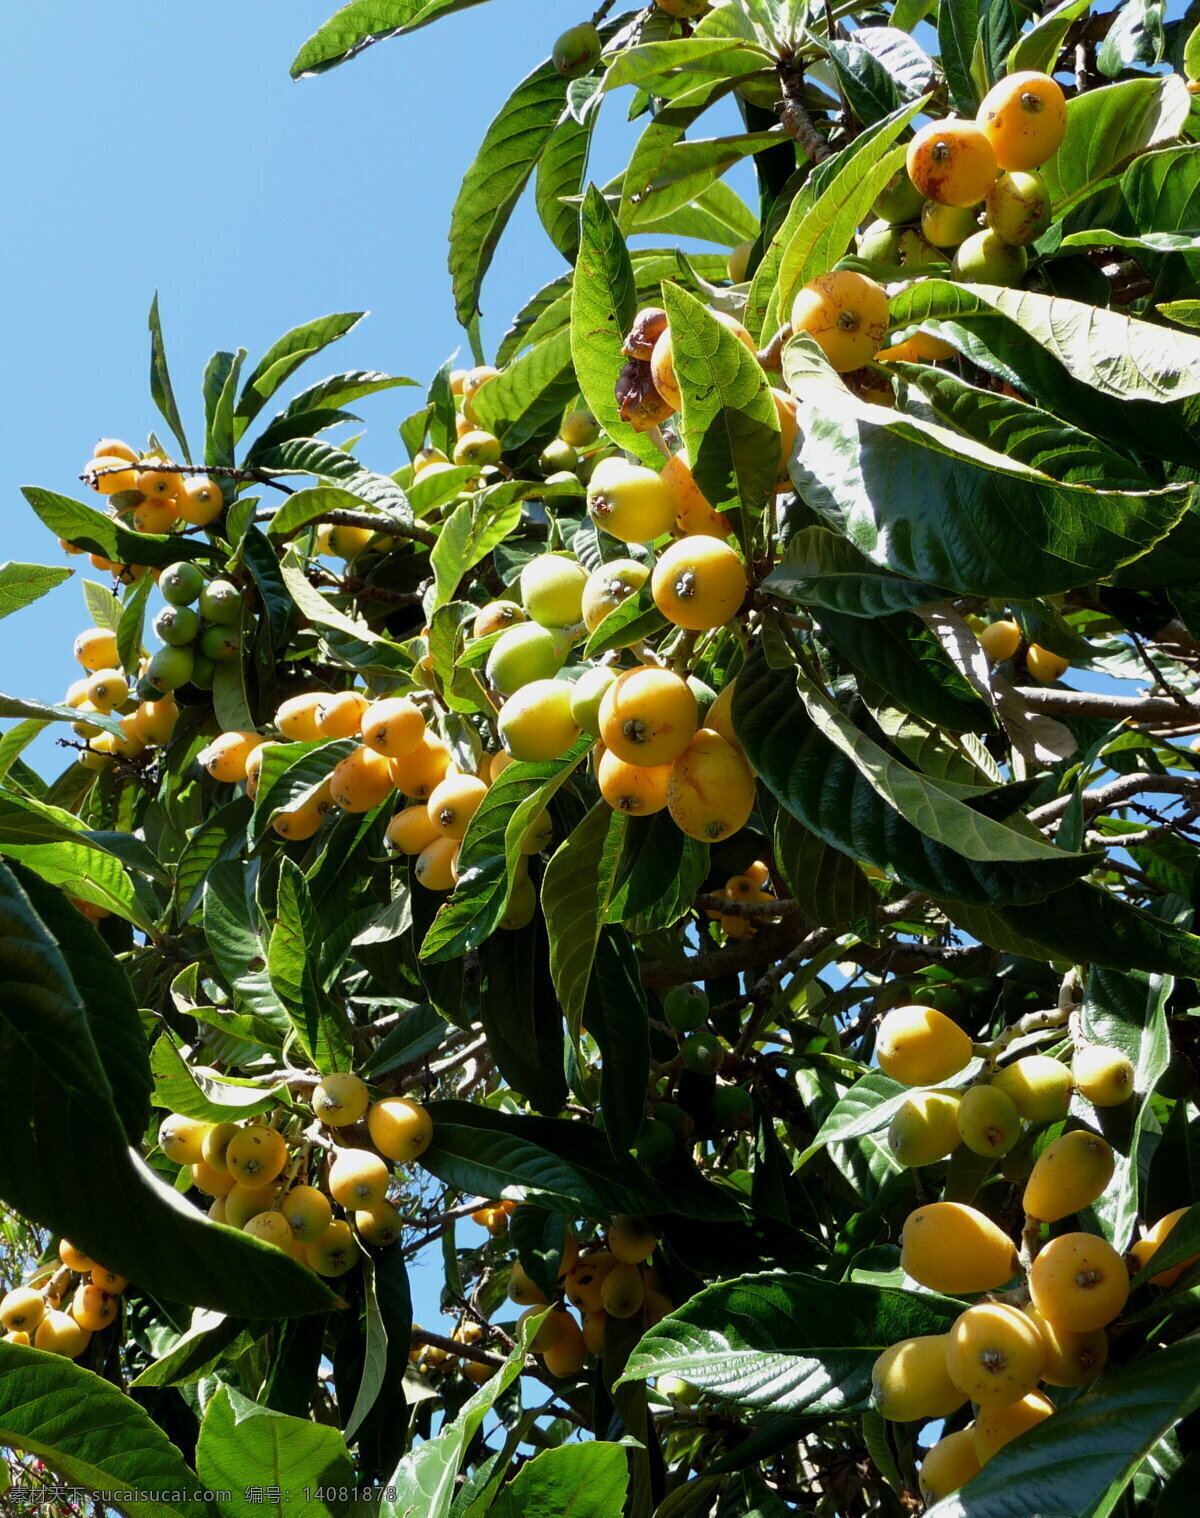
[1107,373]
[493,184]
[293,964]
[521,1018]
[903,657]
[104,608]
[1136,36]
[676,66]
[560,178]
[1039,47]
[343,389]
[364,22]
[284,357]
[1128,1012]
[388,1311]
[230,697]
[15,741]
[243,1445]
[730,424]
[291,772]
[307,455]
[1083,924]
[22,584]
[424,1480]
[927,503]
[539,1236]
[418,1033]
[569,1165]
[92,1436]
[310,505]
[236,946]
[958,23]
[662,870]
[195,1091]
[617,1015]
[348,639]
[109,1004]
[1023,432]
[529,395]
[1080,1460]
[489,853]
[1108,127]
[603,305]
[56,845]
[468,536]
[849,791]
[576,1481]
[688,172]
[209,1335]
[787,1342]
[866,1107]
[53,1086]
[826,885]
[160,387]
[131,625]
[819,568]
[92,530]
[577,891]
[220,387]
[822,219]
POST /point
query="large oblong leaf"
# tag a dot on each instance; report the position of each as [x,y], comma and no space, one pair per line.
[22,584]
[243,1445]
[577,891]
[85,528]
[820,568]
[99,1192]
[603,303]
[926,502]
[530,394]
[1111,375]
[574,1481]
[1084,924]
[488,855]
[730,424]
[568,1164]
[493,184]
[92,1436]
[364,22]
[845,788]
[1087,1453]
[787,1343]
[1107,127]
[283,358]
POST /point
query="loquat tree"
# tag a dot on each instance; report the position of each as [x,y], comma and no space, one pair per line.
[704,854]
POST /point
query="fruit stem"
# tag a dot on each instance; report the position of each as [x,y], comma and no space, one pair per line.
[1031,1242]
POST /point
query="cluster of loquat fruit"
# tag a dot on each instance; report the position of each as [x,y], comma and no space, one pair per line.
[608,1277]
[956,171]
[1000,640]
[105,690]
[1048,1329]
[280,1182]
[34,1314]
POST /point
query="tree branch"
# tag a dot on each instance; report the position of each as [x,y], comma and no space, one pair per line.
[1116,792]
[1078,703]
